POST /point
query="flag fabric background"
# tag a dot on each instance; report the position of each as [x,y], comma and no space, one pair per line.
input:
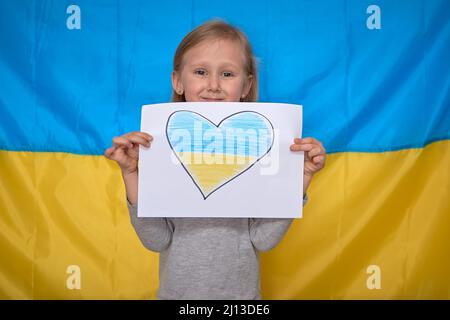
[375,88]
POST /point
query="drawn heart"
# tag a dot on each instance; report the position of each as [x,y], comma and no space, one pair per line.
[213,155]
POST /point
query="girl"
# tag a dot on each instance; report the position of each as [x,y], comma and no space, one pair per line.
[209,258]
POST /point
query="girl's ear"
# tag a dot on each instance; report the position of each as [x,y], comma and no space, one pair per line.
[247,86]
[176,83]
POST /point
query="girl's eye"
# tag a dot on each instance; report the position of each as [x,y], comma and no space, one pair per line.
[200,72]
[227,74]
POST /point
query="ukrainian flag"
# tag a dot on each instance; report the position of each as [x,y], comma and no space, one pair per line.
[374,84]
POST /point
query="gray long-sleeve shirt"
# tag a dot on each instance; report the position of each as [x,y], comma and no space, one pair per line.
[209,258]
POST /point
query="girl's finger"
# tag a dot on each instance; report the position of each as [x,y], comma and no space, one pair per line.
[307,140]
[144,135]
[310,140]
[303,140]
[319,159]
[302,147]
[121,142]
[138,139]
[108,152]
[316,151]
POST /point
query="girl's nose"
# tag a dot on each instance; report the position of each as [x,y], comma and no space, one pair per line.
[214,83]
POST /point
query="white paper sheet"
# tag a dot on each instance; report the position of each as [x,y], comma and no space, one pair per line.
[221,159]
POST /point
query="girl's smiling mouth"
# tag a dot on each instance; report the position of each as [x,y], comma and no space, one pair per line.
[211,99]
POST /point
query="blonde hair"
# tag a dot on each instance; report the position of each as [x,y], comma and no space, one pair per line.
[217,29]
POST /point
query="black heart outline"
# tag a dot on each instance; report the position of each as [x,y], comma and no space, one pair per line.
[217,126]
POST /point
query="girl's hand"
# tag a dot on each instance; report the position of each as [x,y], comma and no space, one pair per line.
[315,155]
[125,150]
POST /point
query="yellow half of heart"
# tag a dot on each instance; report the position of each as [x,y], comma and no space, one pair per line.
[210,171]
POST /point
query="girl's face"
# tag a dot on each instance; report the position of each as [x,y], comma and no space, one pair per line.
[213,70]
